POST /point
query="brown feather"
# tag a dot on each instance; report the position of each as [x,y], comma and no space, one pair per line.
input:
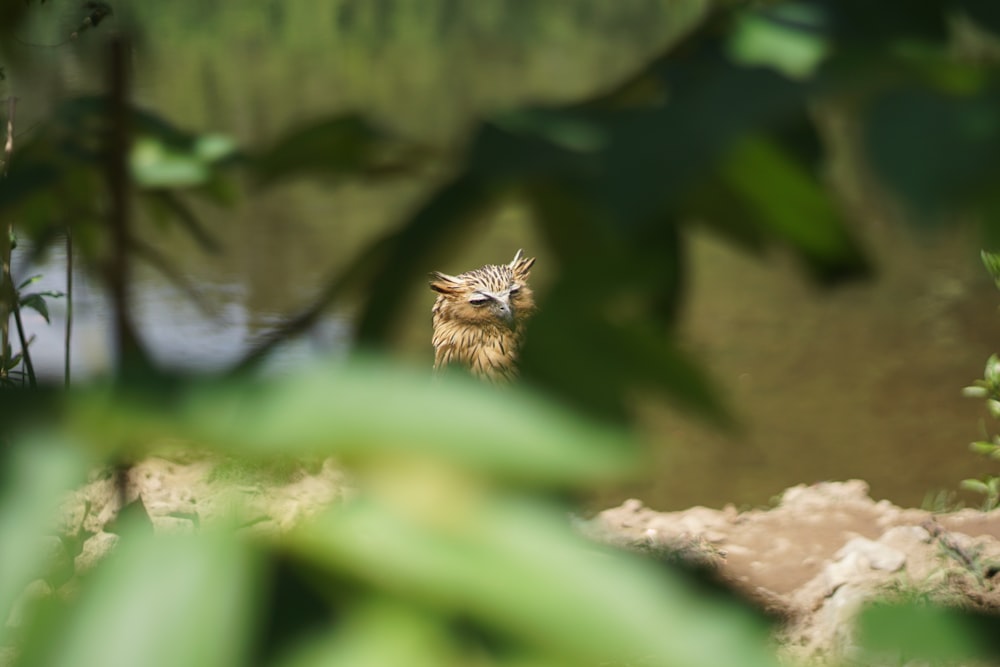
[479,318]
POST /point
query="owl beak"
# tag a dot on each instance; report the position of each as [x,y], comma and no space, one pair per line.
[505,312]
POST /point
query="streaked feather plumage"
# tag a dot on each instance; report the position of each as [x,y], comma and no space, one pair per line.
[479,318]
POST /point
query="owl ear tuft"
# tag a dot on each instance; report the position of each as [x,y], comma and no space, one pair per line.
[521,265]
[445,284]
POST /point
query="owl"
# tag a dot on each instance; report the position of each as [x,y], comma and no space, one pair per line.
[479,318]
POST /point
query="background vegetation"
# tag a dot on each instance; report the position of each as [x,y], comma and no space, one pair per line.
[455,551]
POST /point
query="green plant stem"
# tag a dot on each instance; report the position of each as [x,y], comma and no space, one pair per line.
[25,354]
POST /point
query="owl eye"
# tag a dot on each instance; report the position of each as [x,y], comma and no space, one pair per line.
[513,291]
[479,301]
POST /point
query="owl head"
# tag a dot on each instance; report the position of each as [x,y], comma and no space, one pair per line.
[494,295]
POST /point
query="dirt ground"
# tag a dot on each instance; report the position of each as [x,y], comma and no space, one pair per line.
[825,550]
[812,560]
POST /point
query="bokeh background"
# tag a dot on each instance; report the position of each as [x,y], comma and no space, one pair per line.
[858,380]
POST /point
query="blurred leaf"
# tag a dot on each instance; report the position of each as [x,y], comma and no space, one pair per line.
[792,207]
[381,634]
[991,261]
[983,447]
[346,145]
[157,601]
[602,364]
[788,37]
[882,25]
[153,165]
[164,204]
[39,471]
[975,485]
[986,13]
[405,256]
[921,632]
[940,152]
[26,180]
[368,411]
[517,569]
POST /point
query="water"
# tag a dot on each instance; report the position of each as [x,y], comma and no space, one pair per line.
[177,332]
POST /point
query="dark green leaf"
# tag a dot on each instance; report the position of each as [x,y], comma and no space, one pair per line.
[37,303]
[598,360]
[406,256]
[343,146]
[923,632]
[939,151]
[986,13]
[790,205]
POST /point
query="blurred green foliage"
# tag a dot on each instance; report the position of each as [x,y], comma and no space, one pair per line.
[453,551]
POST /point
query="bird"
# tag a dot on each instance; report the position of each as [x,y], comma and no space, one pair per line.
[479,318]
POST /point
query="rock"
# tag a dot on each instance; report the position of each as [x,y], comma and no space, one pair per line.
[825,551]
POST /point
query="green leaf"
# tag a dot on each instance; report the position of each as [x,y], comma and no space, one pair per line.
[367,411]
[159,602]
[28,281]
[940,152]
[405,256]
[156,165]
[975,485]
[36,301]
[787,37]
[991,261]
[975,391]
[517,568]
[789,203]
[983,447]
[346,145]
[39,471]
[992,371]
[917,633]
[606,359]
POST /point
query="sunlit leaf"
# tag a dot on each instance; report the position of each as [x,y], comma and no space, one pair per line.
[371,411]
[158,601]
[983,447]
[517,568]
[788,37]
[37,474]
[155,166]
